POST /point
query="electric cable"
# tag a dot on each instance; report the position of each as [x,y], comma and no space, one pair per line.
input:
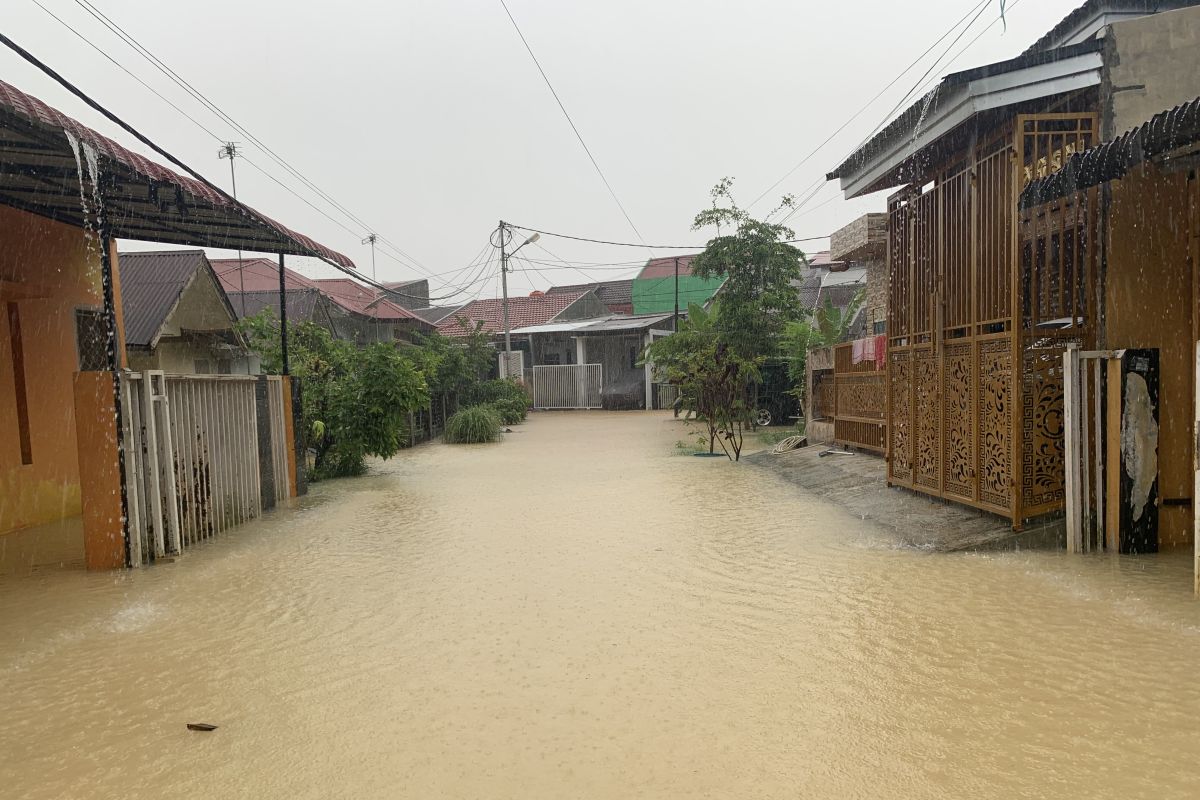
[571,122]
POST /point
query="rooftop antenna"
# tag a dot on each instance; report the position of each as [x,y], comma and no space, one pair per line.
[371,239]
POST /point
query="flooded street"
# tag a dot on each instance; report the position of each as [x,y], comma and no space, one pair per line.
[581,612]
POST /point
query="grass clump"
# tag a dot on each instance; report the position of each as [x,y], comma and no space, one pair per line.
[473,425]
[507,396]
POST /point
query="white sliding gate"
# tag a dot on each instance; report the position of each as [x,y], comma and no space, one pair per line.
[568,386]
[1086,452]
[191,457]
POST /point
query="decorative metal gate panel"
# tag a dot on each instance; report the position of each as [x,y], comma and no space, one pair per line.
[981,304]
[860,399]
[568,386]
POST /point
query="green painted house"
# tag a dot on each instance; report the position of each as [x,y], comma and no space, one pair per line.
[654,287]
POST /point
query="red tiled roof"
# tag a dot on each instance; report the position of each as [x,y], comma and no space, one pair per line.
[363,300]
[522,311]
[262,275]
[32,111]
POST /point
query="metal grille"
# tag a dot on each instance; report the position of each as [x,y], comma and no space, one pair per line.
[860,404]
[91,337]
[568,386]
[191,458]
[974,390]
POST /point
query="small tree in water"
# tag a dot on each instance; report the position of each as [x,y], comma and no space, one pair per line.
[715,356]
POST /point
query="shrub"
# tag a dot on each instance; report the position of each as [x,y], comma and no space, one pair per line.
[473,425]
[510,412]
[506,395]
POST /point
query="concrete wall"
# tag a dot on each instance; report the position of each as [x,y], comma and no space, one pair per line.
[1151,65]
[46,269]
[875,305]
[1149,303]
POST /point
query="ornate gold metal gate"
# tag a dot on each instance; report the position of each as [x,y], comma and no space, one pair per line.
[979,310]
[858,417]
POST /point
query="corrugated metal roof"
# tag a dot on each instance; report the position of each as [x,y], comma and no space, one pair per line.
[146,201]
[151,285]
[257,275]
[1092,8]
[617,295]
[522,312]
[623,322]
[614,322]
[927,108]
[435,314]
[302,304]
[1163,133]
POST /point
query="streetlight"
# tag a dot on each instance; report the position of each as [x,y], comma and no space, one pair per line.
[504,256]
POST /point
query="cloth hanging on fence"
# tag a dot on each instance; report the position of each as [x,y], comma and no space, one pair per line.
[872,348]
[858,351]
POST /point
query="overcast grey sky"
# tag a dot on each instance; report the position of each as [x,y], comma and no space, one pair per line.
[430,122]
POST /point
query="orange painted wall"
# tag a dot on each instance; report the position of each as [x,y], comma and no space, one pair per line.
[100,471]
[1149,304]
[48,270]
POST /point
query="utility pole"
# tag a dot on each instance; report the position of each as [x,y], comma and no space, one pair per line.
[371,239]
[675,319]
[230,150]
[504,289]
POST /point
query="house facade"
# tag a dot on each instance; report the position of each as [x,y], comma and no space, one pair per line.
[665,283]
[348,309]
[1130,421]
[177,316]
[89,457]
[981,308]
[613,344]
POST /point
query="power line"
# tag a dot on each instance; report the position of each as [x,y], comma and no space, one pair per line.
[445,284]
[161,66]
[978,11]
[225,196]
[696,248]
[571,122]
[868,104]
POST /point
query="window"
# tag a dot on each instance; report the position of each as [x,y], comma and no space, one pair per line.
[224,366]
[91,338]
[202,366]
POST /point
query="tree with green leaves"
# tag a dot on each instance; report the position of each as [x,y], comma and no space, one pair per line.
[714,381]
[355,401]
[758,298]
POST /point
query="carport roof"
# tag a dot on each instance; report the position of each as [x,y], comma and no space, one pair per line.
[615,322]
[43,153]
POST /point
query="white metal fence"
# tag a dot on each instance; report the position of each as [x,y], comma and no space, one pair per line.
[665,395]
[568,386]
[512,365]
[191,457]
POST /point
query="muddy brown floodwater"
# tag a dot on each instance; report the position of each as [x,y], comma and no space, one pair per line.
[579,612]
